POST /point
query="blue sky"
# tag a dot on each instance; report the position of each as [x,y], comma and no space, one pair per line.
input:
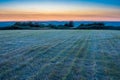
[76,9]
[105,2]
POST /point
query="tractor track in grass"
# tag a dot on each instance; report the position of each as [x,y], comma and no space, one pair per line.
[112,68]
[105,56]
[24,39]
[12,41]
[60,71]
[60,55]
[81,53]
[33,57]
[59,58]
[13,53]
[24,50]
[37,56]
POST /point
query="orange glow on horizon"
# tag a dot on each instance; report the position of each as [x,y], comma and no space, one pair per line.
[75,15]
[65,15]
[57,17]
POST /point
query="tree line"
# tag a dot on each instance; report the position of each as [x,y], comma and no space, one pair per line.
[67,25]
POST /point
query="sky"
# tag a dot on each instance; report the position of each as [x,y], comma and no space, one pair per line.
[59,10]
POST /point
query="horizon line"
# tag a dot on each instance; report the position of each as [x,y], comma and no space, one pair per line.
[61,20]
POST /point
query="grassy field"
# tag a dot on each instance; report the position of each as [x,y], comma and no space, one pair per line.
[59,55]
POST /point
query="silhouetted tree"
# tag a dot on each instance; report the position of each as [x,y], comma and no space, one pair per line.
[52,26]
[101,24]
[71,24]
[17,23]
[95,25]
[24,23]
[82,25]
[30,24]
[36,24]
[66,25]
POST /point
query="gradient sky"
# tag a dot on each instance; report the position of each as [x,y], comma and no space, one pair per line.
[61,10]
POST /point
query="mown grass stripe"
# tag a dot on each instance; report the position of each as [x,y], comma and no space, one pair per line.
[29,60]
[33,59]
[60,69]
[46,65]
[81,51]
